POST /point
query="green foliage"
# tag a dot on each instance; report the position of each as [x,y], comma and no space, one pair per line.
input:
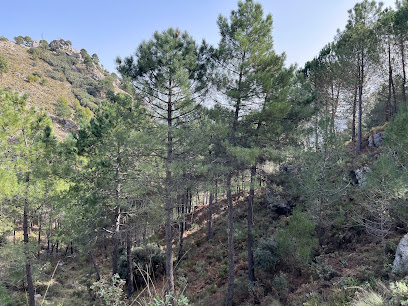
[169,300]
[148,261]
[81,114]
[44,44]
[5,298]
[55,75]
[280,286]
[19,40]
[62,109]
[33,78]
[95,58]
[399,292]
[266,255]
[44,82]
[3,38]
[297,241]
[3,67]
[88,61]
[322,268]
[110,293]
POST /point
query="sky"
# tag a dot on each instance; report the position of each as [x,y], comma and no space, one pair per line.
[115,28]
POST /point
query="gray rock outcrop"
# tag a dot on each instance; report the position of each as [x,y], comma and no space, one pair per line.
[400,265]
[376,139]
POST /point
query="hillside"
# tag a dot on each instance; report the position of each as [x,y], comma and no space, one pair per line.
[56,70]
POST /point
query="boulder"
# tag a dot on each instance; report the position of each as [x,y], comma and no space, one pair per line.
[376,138]
[358,177]
[400,265]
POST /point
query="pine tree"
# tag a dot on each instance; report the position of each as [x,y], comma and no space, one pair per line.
[22,138]
[245,39]
[168,71]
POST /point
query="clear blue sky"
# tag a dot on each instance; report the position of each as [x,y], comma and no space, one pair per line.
[115,28]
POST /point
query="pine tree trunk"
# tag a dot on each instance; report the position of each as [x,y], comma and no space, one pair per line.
[353,126]
[98,275]
[251,263]
[231,265]
[404,77]
[169,209]
[129,264]
[210,216]
[388,109]
[115,241]
[182,226]
[39,235]
[360,105]
[116,235]
[29,278]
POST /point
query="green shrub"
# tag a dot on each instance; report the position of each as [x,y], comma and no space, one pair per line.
[322,268]
[5,298]
[149,257]
[280,286]
[55,75]
[44,81]
[110,293]
[3,38]
[297,241]
[399,292]
[62,109]
[170,299]
[33,78]
[266,255]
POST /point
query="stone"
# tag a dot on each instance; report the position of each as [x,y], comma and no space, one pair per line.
[358,177]
[376,139]
[36,44]
[400,265]
[37,296]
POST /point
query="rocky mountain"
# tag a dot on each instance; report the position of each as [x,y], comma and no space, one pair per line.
[48,72]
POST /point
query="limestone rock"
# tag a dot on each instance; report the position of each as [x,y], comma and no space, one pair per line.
[36,44]
[376,139]
[358,177]
[400,265]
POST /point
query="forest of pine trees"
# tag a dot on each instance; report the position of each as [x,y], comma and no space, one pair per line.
[231,128]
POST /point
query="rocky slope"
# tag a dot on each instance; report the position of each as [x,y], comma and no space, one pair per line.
[47,72]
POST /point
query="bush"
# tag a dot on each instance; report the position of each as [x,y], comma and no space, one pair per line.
[266,255]
[110,293]
[148,261]
[62,109]
[399,292]
[33,78]
[55,75]
[3,38]
[170,299]
[5,298]
[322,268]
[297,241]
[280,286]
[44,81]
